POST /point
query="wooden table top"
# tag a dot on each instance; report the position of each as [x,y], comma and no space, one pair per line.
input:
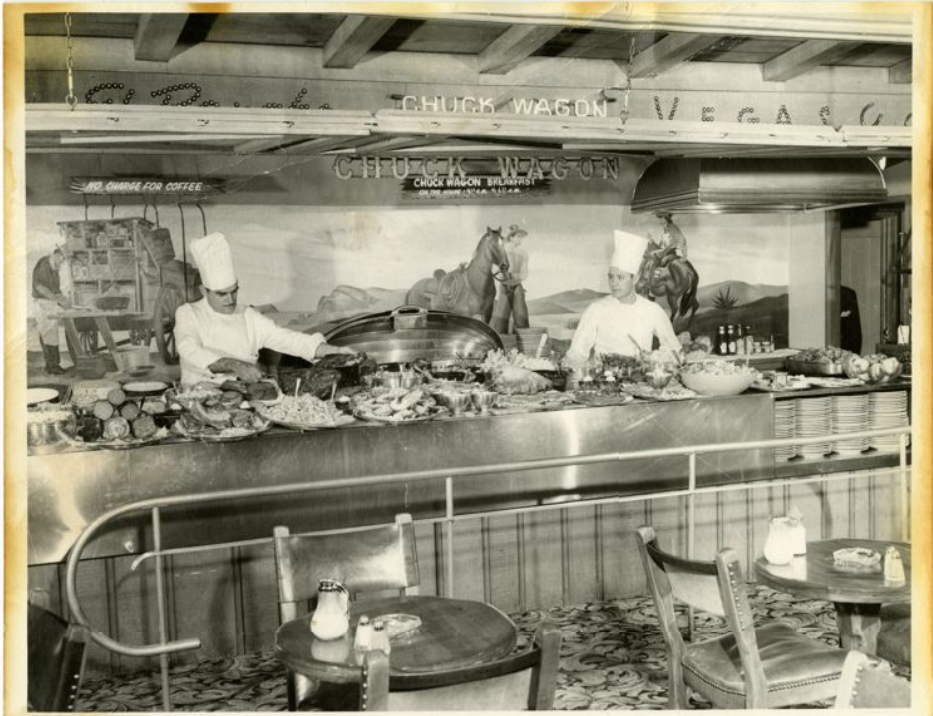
[453,633]
[815,575]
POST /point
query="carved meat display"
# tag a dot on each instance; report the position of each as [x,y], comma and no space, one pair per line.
[317,381]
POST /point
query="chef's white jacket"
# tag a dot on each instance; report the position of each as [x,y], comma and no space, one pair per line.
[609,326]
[203,336]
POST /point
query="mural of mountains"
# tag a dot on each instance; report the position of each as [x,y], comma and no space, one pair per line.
[744,293]
[573,301]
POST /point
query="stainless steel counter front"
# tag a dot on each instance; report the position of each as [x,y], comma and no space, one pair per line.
[68,490]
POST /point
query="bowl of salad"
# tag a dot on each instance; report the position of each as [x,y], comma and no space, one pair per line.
[718,377]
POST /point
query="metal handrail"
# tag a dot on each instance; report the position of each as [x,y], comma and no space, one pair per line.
[159,503]
[156,505]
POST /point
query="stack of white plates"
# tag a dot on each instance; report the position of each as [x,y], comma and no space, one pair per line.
[887,410]
[850,415]
[529,339]
[814,418]
[785,416]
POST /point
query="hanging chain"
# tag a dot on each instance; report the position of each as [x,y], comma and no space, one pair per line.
[70,64]
[628,80]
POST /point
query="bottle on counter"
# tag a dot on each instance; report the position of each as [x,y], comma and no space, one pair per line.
[894,567]
[722,345]
[730,340]
[749,340]
[739,341]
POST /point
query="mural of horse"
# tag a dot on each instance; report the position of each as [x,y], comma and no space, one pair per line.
[665,273]
[469,289]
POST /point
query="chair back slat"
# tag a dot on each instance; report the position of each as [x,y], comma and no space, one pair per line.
[519,682]
[700,591]
[364,560]
[55,665]
[867,683]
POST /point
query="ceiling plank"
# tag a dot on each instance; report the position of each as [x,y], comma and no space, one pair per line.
[802,58]
[669,53]
[901,73]
[517,43]
[157,35]
[353,39]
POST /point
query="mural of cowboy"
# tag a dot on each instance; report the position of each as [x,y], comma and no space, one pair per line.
[666,271]
[511,300]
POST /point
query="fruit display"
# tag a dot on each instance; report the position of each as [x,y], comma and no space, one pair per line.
[873,368]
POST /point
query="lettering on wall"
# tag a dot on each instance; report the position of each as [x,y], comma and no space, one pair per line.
[144,186]
[732,105]
[462,168]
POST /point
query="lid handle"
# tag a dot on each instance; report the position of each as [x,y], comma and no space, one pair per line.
[409,317]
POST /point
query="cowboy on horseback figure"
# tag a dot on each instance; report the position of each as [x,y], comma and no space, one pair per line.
[667,272]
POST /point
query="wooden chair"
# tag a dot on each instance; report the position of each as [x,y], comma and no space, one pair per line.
[55,662]
[367,559]
[525,681]
[894,636]
[868,683]
[755,668]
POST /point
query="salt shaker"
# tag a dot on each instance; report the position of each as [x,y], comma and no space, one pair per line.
[364,634]
[893,566]
[380,640]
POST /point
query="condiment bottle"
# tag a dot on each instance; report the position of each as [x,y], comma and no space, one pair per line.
[721,343]
[730,338]
[739,341]
[380,640]
[364,634]
[894,566]
[749,340]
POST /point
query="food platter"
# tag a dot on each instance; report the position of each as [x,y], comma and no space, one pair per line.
[673,391]
[599,399]
[814,368]
[395,419]
[226,435]
[548,400]
[338,422]
[145,387]
[34,396]
[127,443]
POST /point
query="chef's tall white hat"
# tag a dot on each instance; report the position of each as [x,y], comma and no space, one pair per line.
[212,255]
[630,249]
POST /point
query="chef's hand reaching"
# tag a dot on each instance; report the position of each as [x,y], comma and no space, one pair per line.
[326,349]
[245,371]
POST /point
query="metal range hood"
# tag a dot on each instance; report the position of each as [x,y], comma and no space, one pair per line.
[746,185]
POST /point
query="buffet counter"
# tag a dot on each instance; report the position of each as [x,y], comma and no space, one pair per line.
[70,488]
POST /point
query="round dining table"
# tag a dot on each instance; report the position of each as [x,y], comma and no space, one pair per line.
[453,633]
[856,593]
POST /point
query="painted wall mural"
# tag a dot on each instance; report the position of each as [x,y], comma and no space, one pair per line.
[314,267]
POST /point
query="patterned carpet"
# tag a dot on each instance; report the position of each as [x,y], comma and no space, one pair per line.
[612,657]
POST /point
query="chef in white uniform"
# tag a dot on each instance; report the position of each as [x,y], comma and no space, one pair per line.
[216,339]
[623,322]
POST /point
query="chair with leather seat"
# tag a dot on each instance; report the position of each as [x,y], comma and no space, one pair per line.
[868,683]
[749,667]
[894,636]
[525,681]
[365,559]
[55,665]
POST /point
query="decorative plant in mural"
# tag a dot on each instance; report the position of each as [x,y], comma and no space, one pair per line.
[468,289]
[725,301]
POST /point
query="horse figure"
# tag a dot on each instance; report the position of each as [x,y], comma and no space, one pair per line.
[469,289]
[665,273]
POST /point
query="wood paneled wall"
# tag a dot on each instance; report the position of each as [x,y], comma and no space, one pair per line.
[517,562]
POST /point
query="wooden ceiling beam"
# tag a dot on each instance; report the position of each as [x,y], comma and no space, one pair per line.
[670,52]
[802,58]
[516,44]
[157,35]
[901,73]
[353,39]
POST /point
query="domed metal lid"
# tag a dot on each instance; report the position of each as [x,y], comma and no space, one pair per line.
[408,333]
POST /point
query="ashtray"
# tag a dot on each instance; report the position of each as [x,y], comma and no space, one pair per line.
[398,624]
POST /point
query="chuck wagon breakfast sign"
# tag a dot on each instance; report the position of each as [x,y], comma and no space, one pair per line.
[460,177]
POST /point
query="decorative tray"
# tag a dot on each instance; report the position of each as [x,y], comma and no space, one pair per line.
[598,398]
[673,391]
[814,368]
[397,418]
[225,435]
[126,443]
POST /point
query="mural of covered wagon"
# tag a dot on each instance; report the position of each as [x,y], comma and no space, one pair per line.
[126,278]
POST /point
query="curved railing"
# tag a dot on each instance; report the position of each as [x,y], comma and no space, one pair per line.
[156,505]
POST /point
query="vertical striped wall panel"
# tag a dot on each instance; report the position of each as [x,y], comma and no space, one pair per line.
[566,555]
